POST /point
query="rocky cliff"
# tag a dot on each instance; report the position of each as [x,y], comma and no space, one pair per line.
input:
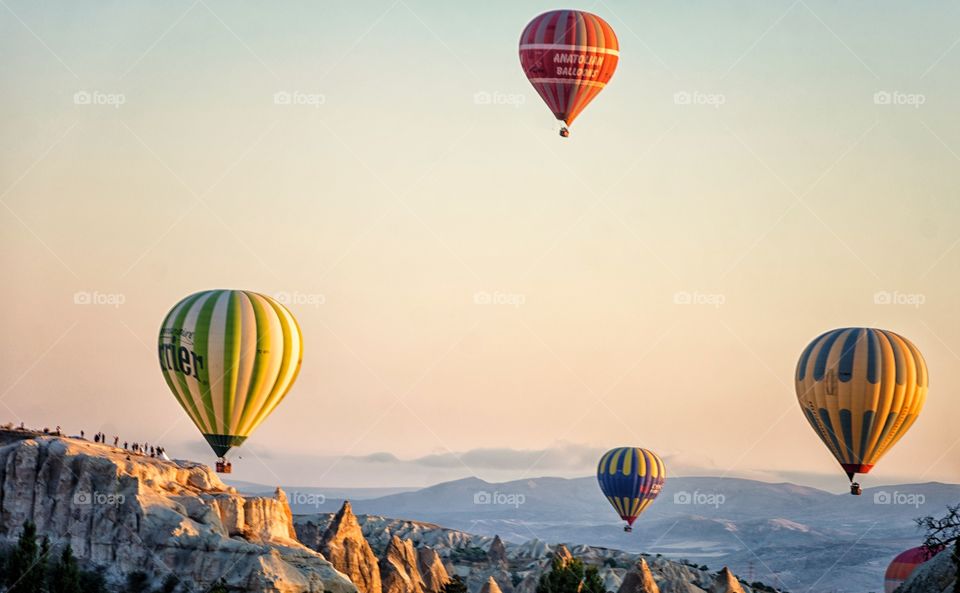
[497,552]
[936,575]
[490,586]
[129,513]
[398,568]
[432,570]
[345,547]
[725,582]
[639,580]
[515,568]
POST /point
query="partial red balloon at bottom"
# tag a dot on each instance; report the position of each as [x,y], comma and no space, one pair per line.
[903,566]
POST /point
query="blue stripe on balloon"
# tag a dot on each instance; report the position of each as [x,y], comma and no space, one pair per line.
[820,366]
[802,365]
[873,352]
[898,357]
[846,425]
[825,419]
[864,434]
[845,368]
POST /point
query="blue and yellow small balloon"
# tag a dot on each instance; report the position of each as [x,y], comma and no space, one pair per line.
[630,478]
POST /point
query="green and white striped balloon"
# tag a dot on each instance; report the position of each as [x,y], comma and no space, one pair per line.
[229,357]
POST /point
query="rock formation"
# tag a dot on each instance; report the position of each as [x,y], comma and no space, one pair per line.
[467,555]
[134,513]
[398,568]
[639,580]
[497,552]
[936,575]
[563,554]
[432,571]
[344,546]
[490,586]
[725,582]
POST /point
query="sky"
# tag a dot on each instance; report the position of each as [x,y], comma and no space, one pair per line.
[477,295]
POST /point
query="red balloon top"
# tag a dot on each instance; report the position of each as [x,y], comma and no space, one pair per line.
[902,566]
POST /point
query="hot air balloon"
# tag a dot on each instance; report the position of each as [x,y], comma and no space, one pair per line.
[861,389]
[903,565]
[229,357]
[568,56]
[630,478]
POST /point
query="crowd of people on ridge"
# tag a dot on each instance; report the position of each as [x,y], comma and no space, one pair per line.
[145,449]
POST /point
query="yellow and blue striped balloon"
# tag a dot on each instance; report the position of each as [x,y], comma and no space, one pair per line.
[630,478]
[229,357]
[861,389]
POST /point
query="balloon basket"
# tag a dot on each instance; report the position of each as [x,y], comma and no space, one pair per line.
[564,132]
[627,528]
[855,489]
[224,467]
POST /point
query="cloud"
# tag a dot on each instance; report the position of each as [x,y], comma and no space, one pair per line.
[564,458]
[381,457]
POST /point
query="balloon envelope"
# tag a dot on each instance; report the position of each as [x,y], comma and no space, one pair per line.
[861,389]
[568,56]
[902,566]
[229,357]
[630,478]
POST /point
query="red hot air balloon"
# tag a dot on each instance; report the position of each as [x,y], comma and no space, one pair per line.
[903,565]
[568,56]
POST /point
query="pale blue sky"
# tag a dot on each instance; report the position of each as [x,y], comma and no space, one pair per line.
[394,201]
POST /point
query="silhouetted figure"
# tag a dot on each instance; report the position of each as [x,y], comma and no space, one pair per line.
[81,434]
[124,445]
[116,440]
